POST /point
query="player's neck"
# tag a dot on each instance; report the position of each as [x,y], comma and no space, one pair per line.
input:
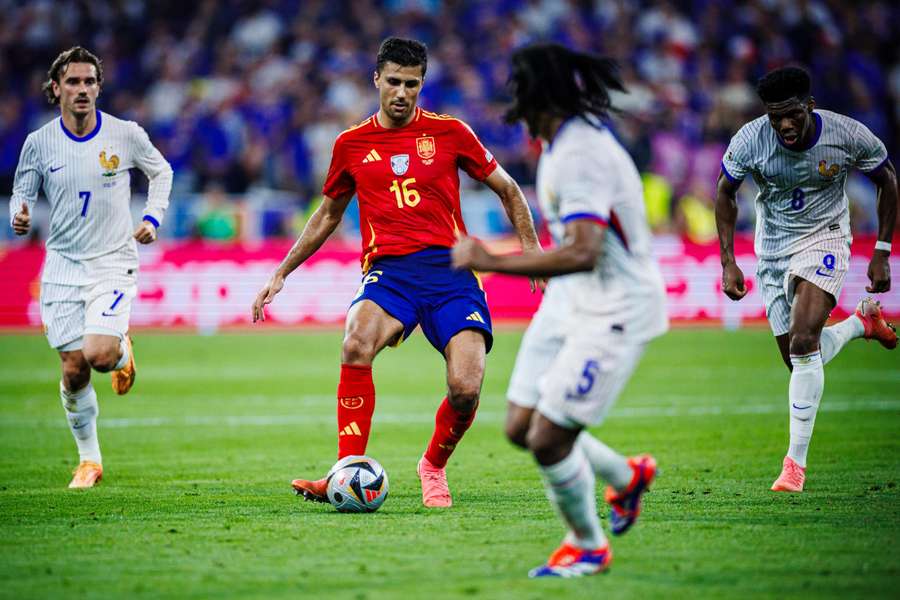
[388,123]
[80,125]
[550,127]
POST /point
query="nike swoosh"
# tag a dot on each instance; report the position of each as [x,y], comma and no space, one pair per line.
[106,314]
[819,272]
[801,407]
[55,169]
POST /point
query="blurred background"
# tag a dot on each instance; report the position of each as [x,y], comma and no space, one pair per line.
[245,98]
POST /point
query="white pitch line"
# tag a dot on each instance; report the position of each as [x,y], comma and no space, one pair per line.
[493,417]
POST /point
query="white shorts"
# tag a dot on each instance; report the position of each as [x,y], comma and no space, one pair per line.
[574,379]
[69,312]
[824,264]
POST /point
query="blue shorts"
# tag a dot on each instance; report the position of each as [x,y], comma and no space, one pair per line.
[423,289]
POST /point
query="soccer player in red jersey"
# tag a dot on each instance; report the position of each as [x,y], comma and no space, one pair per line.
[402,163]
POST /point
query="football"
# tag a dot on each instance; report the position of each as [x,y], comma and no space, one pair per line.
[357,484]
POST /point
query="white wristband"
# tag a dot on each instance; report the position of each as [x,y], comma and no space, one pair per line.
[886,246]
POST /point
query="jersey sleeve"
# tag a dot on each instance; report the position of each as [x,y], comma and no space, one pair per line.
[338,183]
[27,181]
[584,188]
[869,152]
[473,158]
[736,162]
[150,160]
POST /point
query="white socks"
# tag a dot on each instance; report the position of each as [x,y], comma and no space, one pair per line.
[124,358]
[81,412]
[834,338]
[804,393]
[570,487]
[606,462]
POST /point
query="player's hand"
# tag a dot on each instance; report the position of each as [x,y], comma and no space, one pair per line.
[265,296]
[541,283]
[733,281]
[145,233]
[879,273]
[468,253]
[22,220]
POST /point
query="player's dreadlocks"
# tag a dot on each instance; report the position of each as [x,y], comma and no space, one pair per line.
[76,54]
[551,79]
[404,52]
[783,84]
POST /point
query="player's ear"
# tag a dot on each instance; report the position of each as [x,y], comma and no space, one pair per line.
[811,104]
[55,87]
[375,77]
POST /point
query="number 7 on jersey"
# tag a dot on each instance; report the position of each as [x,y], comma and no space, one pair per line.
[86,196]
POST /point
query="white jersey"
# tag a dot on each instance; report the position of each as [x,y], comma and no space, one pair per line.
[88,187]
[801,198]
[586,174]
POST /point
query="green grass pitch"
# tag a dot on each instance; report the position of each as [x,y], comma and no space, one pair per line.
[196,502]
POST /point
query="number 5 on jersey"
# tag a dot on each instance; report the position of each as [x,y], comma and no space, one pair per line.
[86,196]
[410,197]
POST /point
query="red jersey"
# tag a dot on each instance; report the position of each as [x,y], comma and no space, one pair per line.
[407,181]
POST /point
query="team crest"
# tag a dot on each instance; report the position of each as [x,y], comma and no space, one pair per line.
[400,164]
[425,147]
[109,164]
[830,171]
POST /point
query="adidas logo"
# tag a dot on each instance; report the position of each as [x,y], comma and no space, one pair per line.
[351,429]
[475,316]
[372,156]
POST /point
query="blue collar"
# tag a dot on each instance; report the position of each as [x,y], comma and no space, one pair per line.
[817,121]
[87,137]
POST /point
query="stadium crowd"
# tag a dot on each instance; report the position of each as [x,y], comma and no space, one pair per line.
[245,95]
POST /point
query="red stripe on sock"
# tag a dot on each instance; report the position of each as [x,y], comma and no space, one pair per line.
[449,427]
[355,405]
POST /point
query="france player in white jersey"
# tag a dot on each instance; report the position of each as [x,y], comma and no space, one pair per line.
[799,157]
[596,317]
[81,161]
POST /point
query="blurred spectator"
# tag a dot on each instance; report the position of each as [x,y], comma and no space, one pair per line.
[219,220]
[251,94]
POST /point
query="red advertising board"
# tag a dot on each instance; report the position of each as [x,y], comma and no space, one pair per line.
[208,285]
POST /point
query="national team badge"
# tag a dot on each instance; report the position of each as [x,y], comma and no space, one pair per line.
[109,164]
[828,172]
[400,164]
[425,147]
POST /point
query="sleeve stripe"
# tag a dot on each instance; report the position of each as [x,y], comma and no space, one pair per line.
[586,216]
[730,177]
[151,220]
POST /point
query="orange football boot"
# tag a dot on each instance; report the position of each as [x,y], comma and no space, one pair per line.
[876,328]
[314,491]
[123,379]
[791,478]
[86,475]
[435,491]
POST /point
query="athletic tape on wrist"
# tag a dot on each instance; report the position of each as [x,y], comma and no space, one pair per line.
[886,246]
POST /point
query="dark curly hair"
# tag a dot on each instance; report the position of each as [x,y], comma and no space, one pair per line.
[76,54]
[783,84]
[404,52]
[550,78]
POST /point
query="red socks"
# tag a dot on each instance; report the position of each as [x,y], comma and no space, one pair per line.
[449,427]
[356,403]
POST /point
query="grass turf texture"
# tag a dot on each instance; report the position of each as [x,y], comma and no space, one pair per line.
[196,502]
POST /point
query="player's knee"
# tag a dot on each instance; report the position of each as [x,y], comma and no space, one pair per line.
[357,350]
[517,433]
[543,446]
[804,343]
[102,358]
[463,396]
